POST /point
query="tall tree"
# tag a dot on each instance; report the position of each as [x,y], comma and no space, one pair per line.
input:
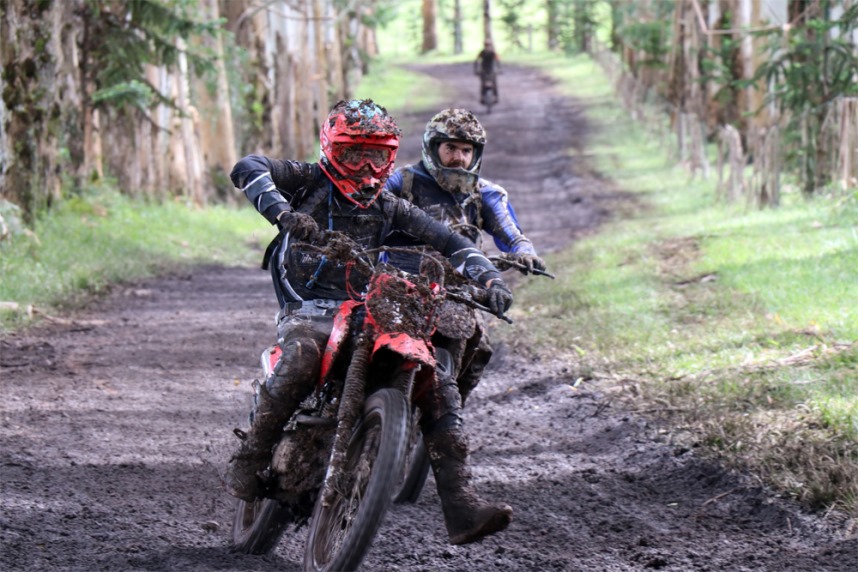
[487,21]
[430,37]
[457,27]
[552,11]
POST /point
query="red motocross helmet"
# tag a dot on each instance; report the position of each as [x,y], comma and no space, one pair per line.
[358,145]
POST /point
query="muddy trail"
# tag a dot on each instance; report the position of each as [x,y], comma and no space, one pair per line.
[117,421]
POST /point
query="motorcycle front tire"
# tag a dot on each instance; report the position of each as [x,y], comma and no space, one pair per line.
[258,526]
[341,534]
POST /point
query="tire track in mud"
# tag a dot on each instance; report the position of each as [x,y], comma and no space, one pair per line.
[116,423]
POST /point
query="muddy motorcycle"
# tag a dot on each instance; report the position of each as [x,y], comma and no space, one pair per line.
[344,450]
[416,467]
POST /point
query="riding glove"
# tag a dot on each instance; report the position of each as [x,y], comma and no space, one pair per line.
[299,225]
[500,297]
[531,262]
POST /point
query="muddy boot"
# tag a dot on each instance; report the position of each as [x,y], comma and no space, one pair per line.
[468,517]
[242,474]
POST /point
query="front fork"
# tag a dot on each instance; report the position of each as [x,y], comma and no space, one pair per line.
[351,406]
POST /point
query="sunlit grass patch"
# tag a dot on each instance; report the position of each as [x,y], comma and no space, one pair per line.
[399,90]
[737,326]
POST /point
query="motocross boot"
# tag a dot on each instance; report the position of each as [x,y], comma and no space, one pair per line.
[242,475]
[468,517]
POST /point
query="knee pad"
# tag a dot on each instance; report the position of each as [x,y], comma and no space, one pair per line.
[299,364]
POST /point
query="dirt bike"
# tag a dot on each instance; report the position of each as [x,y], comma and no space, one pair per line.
[343,451]
[488,89]
[488,95]
[416,469]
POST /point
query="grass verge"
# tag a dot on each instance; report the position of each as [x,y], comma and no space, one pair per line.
[737,327]
[88,243]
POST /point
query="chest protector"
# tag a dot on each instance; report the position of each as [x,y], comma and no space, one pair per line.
[307,273]
[460,213]
[462,216]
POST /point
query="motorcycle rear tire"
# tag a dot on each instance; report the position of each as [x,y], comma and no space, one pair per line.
[416,470]
[342,533]
[489,99]
[258,526]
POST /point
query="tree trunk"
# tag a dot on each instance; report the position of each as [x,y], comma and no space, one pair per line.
[190,142]
[217,132]
[487,21]
[40,99]
[553,24]
[430,38]
[457,27]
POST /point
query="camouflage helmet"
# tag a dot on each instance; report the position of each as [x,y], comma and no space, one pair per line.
[454,125]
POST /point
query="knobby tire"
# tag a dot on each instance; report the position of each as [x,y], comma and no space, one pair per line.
[258,526]
[341,534]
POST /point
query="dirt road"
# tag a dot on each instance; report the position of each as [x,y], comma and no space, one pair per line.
[116,422]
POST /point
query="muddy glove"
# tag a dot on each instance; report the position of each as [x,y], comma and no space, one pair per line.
[531,262]
[299,225]
[500,297]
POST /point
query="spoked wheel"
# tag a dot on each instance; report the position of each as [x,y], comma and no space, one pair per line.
[415,467]
[258,526]
[341,534]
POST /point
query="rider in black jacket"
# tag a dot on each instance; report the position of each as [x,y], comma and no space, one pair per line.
[343,192]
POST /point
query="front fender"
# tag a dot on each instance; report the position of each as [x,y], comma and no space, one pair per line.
[412,349]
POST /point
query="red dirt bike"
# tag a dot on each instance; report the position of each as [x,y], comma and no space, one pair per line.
[344,450]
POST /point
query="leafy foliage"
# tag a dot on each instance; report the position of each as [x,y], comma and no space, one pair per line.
[807,70]
[817,64]
[121,38]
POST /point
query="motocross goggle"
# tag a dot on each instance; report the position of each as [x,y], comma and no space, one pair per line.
[355,157]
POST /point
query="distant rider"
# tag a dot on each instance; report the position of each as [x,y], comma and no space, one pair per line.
[487,66]
[343,192]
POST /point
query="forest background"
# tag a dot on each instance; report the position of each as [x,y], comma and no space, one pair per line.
[120,120]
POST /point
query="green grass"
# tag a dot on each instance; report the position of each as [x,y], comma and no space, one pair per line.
[399,90]
[87,244]
[743,322]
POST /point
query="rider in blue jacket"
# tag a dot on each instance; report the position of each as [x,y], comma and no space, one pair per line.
[447,185]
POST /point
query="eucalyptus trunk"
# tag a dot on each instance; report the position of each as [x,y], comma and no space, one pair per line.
[457,27]
[40,99]
[430,37]
[487,21]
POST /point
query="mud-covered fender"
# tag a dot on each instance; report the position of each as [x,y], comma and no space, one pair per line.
[338,333]
[412,349]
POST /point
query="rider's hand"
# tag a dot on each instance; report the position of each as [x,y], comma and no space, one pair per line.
[530,262]
[500,297]
[299,225]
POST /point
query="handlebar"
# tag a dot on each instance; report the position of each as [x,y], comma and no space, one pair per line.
[505,263]
[475,298]
[336,245]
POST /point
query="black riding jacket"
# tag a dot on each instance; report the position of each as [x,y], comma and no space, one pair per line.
[274,186]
